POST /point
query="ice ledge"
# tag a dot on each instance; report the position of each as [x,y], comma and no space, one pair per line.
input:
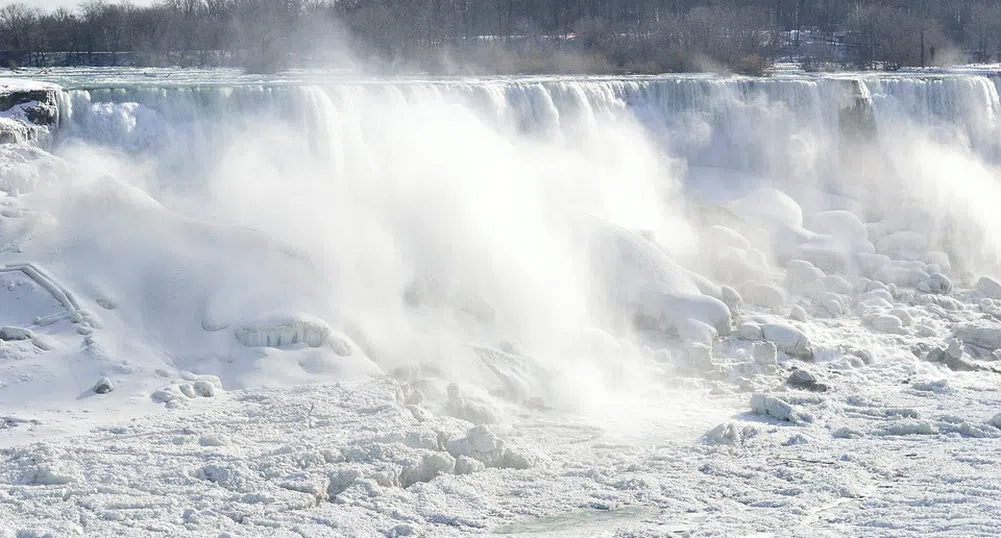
[28,109]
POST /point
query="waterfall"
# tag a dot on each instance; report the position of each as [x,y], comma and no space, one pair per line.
[731,122]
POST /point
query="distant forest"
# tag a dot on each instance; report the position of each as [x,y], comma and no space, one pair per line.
[508,36]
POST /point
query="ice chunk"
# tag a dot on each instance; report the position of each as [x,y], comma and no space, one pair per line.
[284,331]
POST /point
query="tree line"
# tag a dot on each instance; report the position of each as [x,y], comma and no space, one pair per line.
[508,35]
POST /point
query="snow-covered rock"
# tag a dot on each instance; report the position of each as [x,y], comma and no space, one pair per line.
[773,406]
[764,294]
[886,323]
[482,445]
[789,340]
[980,333]
[989,287]
[103,386]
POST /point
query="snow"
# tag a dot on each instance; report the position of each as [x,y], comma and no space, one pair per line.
[539,306]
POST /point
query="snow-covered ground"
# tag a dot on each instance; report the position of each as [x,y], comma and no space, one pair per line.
[651,306]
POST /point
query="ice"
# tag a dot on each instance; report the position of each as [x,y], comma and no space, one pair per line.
[279,331]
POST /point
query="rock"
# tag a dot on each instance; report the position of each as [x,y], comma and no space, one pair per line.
[103,386]
[955,349]
[802,379]
[800,273]
[44,112]
[877,285]
[789,340]
[764,294]
[833,307]
[870,263]
[464,407]
[885,323]
[938,283]
[980,333]
[796,440]
[989,287]
[995,421]
[955,363]
[876,295]
[941,259]
[837,284]
[187,389]
[482,445]
[763,404]
[750,331]
[903,315]
[15,333]
[730,298]
[204,388]
[730,433]
[765,355]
